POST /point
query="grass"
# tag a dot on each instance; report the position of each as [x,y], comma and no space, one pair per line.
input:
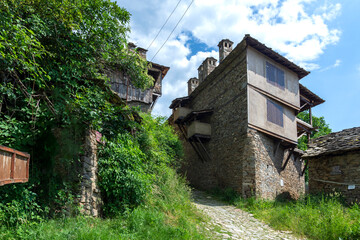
[316,217]
[167,213]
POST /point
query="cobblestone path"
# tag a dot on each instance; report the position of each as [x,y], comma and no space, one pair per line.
[228,222]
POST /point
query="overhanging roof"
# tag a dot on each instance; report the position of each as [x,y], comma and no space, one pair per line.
[162,68]
[179,101]
[307,95]
[275,56]
[197,115]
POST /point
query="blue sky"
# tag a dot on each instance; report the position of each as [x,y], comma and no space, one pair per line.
[321,36]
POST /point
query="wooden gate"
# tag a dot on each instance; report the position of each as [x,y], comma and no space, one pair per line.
[14,166]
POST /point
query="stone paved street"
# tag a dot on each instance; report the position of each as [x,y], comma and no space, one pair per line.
[228,222]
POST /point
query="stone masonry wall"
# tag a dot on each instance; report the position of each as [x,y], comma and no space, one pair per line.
[271,180]
[90,199]
[334,173]
[226,92]
[241,158]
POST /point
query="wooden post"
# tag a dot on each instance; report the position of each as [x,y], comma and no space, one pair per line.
[310,115]
[303,171]
[277,147]
[27,168]
[12,168]
[287,159]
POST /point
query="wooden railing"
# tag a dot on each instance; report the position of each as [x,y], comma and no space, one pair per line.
[14,166]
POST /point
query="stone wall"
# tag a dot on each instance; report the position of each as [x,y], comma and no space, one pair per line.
[271,180]
[90,198]
[334,163]
[224,90]
[241,158]
[335,173]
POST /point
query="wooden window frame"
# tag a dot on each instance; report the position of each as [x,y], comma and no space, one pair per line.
[279,76]
[275,113]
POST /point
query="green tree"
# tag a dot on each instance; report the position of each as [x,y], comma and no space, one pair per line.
[322,128]
[54,60]
[54,56]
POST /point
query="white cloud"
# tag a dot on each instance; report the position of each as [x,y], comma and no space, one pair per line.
[298,29]
[336,64]
[331,11]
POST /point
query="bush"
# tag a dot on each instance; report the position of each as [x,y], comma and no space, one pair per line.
[128,165]
[122,178]
[18,206]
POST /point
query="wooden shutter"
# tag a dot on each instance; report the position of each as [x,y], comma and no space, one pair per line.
[270,73]
[275,75]
[275,113]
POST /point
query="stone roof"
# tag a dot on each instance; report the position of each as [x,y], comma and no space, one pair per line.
[275,56]
[333,143]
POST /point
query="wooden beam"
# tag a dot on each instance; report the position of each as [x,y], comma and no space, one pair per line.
[287,159]
[203,147]
[198,151]
[12,168]
[27,168]
[277,147]
[192,145]
[10,150]
[306,103]
[272,134]
[303,171]
[274,97]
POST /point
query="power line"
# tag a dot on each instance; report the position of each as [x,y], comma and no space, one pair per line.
[172,30]
[164,24]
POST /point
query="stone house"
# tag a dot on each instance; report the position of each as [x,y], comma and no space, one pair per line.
[123,90]
[239,122]
[145,99]
[334,164]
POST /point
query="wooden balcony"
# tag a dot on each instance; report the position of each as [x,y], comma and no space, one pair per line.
[180,113]
[198,128]
[14,166]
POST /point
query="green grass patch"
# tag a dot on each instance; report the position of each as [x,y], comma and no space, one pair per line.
[167,213]
[144,197]
[316,217]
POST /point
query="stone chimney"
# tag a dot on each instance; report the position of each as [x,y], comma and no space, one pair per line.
[192,84]
[131,46]
[208,65]
[225,48]
[142,52]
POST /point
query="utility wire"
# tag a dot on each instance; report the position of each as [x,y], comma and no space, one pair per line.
[172,30]
[164,24]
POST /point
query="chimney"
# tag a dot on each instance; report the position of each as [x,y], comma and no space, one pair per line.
[142,52]
[131,46]
[208,65]
[225,47]
[192,84]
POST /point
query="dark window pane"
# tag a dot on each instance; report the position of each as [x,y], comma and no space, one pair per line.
[270,73]
[275,113]
[280,78]
[275,75]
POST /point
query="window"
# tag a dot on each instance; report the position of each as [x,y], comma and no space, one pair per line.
[275,75]
[275,113]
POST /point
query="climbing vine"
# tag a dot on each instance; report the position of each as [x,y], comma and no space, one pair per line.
[54,56]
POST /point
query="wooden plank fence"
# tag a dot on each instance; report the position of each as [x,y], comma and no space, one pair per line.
[14,166]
